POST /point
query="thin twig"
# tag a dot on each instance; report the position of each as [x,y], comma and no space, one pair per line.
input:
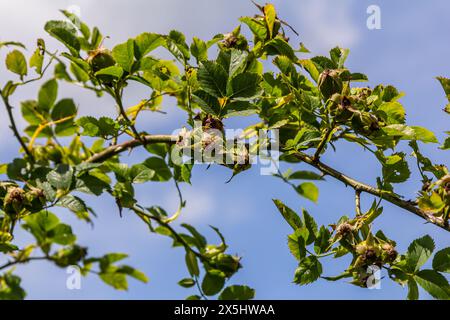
[13,126]
[358,202]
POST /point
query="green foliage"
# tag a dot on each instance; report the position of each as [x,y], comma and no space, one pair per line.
[312,101]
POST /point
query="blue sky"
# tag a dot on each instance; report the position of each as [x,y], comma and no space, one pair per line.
[409,51]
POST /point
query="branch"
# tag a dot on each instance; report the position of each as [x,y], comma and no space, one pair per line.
[361,187]
[12,263]
[13,126]
[131,144]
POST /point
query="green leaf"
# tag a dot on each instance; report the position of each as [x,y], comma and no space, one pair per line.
[309,270]
[237,292]
[278,46]
[289,215]
[74,204]
[239,108]
[434,283]
[410,133]
[441,260]
[322,242]
[270,15]
[78,23]
[413,290]
[36,61]
[304,175]
[62,234]
[206,102]
[419,251]
[311,68]
[103,127]
[200,240]
[392,112]
[311,225]
[147,42]
[258,28]
[16,62]
[47,94]
[140,173]
[297,243]
[308,190]
[113,71]
[176,44]
[213,282]
[445,83]
[124,54]
[213,79]
[395,168]
[183,172]
[244,85]
[159,166]
[233,61]
[11,289]
[30,112]
[134,273]
[192,264]
[338,56]
[187,282]
[65,33]
[65,109]
[8,247]
[432,203]
[116,280]
[199,49]
[61,177]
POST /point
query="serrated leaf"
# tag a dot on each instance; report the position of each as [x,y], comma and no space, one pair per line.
[65,33]
[124,54]
[419,251]
[213,282]
[413,290]
[270,15]
[237,292]
[434,283]
[289,215]
[192,264]
[244,85]
[47,94]
[258,28]
[297,243]
[392,112]
[147,42]
[213,79]
[309,270]
[16,62]
[441,260]
[114,71]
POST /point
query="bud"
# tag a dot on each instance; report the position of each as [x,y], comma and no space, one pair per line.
[14,200]
[100,58]
[36,199]
[329,83]
[389,253]
[226,263]
[5,236]
[229,40]
[344,229]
